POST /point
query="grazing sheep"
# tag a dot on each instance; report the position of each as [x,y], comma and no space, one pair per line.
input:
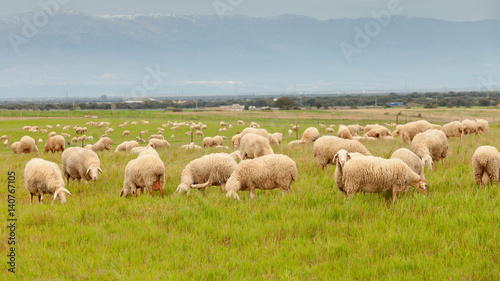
[410,130]
[397,131]
[411,159]
[190,146]
[26,127]
[253,146]
[44,177]
[108,131]
[15,147]
[486,165]
[51,134]
[223,124]
[236,139]
[27,145]
[354,129]
[470,126]
[224,129]
[54,144]
[261,132]
[279,137]
[145,172]
[203,127]
[199,134]
[157,144]
[80,163]
[326,147]
[482,126]
[149,151]
[6,142]
[125,133]
[241,123]
[266,172]
[188,133]
[254,125]
[215,141]
[133,123]
[430,146]
[102,144]
[310,135]
[126,146]
[340,158]
[144,122]
[379,133]
[66,128]
[344,133]
[43,131]
[329,130]
[453,129]
[290,132]
[159,137]
[209,170]
[138,150]
[375,174]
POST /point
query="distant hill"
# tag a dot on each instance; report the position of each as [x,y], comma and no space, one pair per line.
[119,55]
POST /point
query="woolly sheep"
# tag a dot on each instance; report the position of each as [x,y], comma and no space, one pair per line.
[430,146]
[190,146]
[254,125]
[375,174]
[148,151]
[379,132]
[80,163]
[410,130]
[51,134]
[354,129]
[146,172]
[261,132]
[290,132]
[157,144]
[54,144]
[209,170]
[482,126]
[266,172]
[159,137]
[102,144]
[241,123]
[329,131]
[310,134]
[27,145]
[397,131]
[44,177]
[236,139]
[279,137]
[326,147]
[340,158]
[125,133]
[223,124]
[126,146]
[199,134]
[344,133]
[486,165]
[453,129]
[253,146]
[15,147]
[470,126]
[411,159]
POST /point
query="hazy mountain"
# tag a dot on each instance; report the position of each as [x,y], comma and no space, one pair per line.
[114,55]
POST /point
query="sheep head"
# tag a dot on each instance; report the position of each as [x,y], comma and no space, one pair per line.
[428,161]
[93,171]
[61,193]
[341,157]
[422,185]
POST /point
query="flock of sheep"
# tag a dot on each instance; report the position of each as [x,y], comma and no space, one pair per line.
[260,168]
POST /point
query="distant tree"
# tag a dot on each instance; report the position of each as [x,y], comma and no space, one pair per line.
[484,102]
[104,97]
[284,103]
[318,104]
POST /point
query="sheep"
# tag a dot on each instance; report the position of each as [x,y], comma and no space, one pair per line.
[430,146]
[108,131]
[138,150]
[190,146]
[125,133]
[254,125]
[411,159]
[486,165]
[262,132]
[144,122]
[148,151]
[410,130]
[199,134]
[329,131]
[326,147]
[6,142]
[54,144]
[266,172]
[126,146]
[340,158]
[145,172]
[310,135]
[26,128]
[203,127]
[344,133]
[397,131]
[51,134]
[138,139]
[470,126]
[371,127]
[43,131]
[241,123]
[157,144]
[209,141]
[188,133]
[102,144]
[27,145]
[15,148]
[253,146]
[44,177]
[279,137]
[482,126]
[290,132]
[380,132]
[375,174]
[223,124]
[453,129]
[80,163]
[236,139]
[209,170]
[159,137]
[133,123]
[354,129]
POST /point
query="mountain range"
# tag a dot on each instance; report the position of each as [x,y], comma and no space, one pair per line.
[152,55]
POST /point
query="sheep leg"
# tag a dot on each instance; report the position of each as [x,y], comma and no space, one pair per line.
[485,179]
[202,185]
[223,187]
[31,198]
[394,194]
[67,179]
[79,181]
[252,192]
[40,198]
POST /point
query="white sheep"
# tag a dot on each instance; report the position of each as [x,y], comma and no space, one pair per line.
[470,126]
[126,146]
[158,144]
[148,151]
[340,158]
[241,123]
[102,144]
[190,146]
[380,132]
[290,132]
[266,172]
[410,130]
[145,172]
[54,144]
[453,129]
[354,129]
[125,133]
[279,137]
[375,174]
[261,132]
[159,137]
[310,135]
[486,165]
[44,177]
[411,159]
[15,147]
[329,130]
[482,126]
[430,146]
[209,170]
[343,132]
[397,131]
[27,145]
[80,163]
[215,141]
[253,146]
[326,147]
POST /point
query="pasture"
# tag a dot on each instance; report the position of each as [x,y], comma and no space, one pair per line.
[313,233]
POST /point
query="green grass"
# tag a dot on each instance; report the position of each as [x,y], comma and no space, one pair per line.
[313,233]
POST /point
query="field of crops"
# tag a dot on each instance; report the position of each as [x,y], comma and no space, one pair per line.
[313,233]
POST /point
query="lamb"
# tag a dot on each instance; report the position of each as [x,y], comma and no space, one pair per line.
[54,144]
[486,165]
[453,129]
[410,130]
[157,144]
[145,172]
[375,174]
[470,126]
[44,177]
[27,145]
[102,144]
[209,170]
[253,146]
[290,132]
[411,159]
[430,146]
[344,133]
[482,126]
[326,147]
[266,172]
[80,163]
[51,134]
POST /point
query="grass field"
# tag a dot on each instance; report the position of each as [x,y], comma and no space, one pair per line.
[313,233]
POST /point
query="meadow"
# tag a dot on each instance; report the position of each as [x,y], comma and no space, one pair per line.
[313,233]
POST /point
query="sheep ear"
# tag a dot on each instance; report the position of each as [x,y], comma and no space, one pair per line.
[65,190]
[335,157]
[88,170]
[348,156]
[121,193]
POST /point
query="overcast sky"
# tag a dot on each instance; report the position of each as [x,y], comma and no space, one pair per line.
[455,10]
